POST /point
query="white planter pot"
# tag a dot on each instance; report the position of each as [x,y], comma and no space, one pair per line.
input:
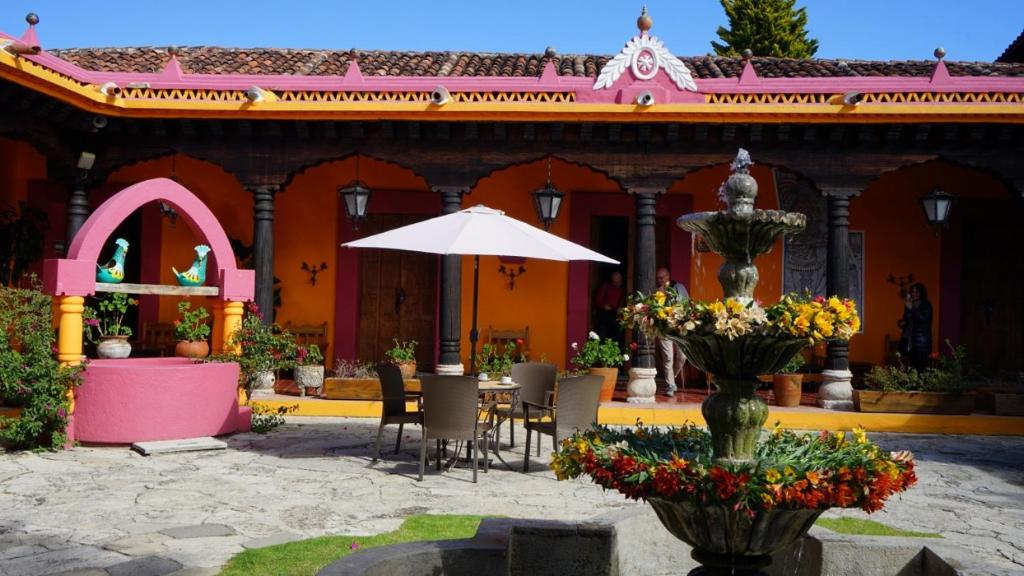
[309,377]
[114,347]
[263,383]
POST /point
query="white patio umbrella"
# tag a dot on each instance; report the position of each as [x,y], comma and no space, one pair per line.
[479,231]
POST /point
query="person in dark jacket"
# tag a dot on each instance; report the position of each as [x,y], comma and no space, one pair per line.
[916,339]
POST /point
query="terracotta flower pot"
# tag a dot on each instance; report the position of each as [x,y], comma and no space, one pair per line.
[189,349]
[408,369]
[787,389]
[113,347]
[610,376]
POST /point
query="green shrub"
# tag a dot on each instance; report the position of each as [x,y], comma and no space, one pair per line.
[31,379]
[951,374]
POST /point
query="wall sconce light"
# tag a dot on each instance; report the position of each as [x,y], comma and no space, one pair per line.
[168,212]
[257,94]
[109,89]
[313,270]
[511,272]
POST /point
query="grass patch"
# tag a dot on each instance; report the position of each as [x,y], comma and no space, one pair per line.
[863,527]
[307,557]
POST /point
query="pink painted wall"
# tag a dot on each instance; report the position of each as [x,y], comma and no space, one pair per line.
[141,399]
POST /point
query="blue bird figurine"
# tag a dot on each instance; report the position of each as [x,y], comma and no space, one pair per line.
[196,275]
[113,271]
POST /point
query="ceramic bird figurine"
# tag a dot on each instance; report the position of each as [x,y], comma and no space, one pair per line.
[196,275]
[113,271]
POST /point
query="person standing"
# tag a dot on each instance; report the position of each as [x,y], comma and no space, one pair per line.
[672,358]
[916,338]
[610,297]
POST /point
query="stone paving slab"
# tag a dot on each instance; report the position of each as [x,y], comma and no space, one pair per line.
[145,566]
[94,508]
[185,445]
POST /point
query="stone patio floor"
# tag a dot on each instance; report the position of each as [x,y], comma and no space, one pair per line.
[102,511]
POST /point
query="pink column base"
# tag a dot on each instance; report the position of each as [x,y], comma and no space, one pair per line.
[143,399]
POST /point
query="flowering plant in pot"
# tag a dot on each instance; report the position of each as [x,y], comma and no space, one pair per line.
[787,383]
[191,331]
[600,357]
[403,354]
[264,349]
[107,319]
[309,368]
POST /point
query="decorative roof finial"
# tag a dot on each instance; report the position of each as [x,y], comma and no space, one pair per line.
[940,53]
[172,50]
[550,52]
[32,18]
[747,53]
[644,22]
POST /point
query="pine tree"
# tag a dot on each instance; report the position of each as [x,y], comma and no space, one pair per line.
[767,28]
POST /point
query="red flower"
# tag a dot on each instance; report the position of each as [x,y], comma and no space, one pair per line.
[633,346]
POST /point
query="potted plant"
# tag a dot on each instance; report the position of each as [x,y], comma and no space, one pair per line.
[263,350]
[942,389]
[787,383]
[493,365]
[309,369]
[191,331]
[107,319]
[600,357]
[354,380]
[403,353]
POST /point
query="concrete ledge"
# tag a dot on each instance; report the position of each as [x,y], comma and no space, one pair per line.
[633,543]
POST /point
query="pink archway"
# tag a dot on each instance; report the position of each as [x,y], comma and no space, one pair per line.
[76,274]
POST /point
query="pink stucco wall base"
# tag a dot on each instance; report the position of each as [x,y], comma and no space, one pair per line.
[141,399]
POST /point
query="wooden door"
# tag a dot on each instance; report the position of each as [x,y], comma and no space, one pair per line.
[992,296]
[397,295]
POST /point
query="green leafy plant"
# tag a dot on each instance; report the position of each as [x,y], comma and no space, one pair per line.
[794,365]
[265,419]
[31,379]
[493,362]
[951,374]
[192,326]
[597,353]
[308,356]
[354,369]
[402,351]
[263,348]
[108,316]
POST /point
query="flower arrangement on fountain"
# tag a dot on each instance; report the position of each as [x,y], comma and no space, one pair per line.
[789,471]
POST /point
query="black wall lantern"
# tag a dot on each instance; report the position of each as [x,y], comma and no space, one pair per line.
[936,206]
[356,196]
[548,199]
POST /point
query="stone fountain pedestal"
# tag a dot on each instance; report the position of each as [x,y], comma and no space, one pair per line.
[642,387]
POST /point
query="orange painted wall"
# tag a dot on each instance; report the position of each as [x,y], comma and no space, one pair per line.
[218,189]
[20,163]
[539,299]
[898,240]
[305,229]
[703,186]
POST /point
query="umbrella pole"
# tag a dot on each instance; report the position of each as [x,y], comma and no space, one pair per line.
[474,335]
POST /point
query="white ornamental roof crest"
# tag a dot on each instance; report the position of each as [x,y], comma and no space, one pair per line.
[644,55]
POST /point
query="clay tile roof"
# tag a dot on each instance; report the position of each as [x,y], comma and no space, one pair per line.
[213,60]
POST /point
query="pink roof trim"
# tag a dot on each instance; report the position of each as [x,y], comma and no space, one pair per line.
[172,77]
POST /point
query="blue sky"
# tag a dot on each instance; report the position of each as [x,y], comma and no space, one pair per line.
[862,29]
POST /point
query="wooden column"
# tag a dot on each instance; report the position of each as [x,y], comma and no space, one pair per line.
[642,387]
[263,248]
[836,390]
[450,322]
[645,265]
[78,208]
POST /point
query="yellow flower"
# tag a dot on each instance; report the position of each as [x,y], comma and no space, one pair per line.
[659,297]
[716,307]
[860,435]
[788,471]
[734,306]
[772,475]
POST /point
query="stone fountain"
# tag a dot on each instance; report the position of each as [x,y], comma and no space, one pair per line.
[727,541]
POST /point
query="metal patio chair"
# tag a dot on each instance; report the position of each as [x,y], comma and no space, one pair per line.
[393,405]
[537,380]
[452,411]
[575,409]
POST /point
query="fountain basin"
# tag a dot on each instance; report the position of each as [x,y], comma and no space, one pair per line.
[145,399]
[745,357]
[742,236]
[722,531]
